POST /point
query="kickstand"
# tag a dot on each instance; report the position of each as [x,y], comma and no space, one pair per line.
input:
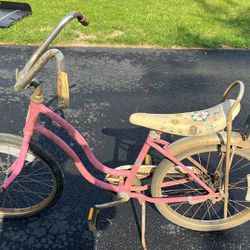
[143,224]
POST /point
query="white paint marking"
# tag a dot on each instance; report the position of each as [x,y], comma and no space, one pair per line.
[8,15]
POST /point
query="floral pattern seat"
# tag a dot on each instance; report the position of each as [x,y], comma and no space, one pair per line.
[194,123]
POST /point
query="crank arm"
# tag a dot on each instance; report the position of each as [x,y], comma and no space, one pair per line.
[93,217]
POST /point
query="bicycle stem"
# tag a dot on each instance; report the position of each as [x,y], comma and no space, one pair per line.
[22,81]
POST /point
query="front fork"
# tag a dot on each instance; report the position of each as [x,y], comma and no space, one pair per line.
[14,170]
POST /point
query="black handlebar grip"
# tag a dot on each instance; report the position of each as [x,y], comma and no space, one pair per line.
[83,20]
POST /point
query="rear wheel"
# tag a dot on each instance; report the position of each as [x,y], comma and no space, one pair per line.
[38,185]
[206,215]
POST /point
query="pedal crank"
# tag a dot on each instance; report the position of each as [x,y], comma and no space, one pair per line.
[93,217]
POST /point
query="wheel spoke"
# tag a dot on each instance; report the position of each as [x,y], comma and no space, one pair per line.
[37,181]
[188,210]
[34,188]
[208,160]
[4,197]
[239,161]
[240,188]
[183,189]
[26,191]
[215,212]
[32,173]
[186,185]
[198,209]
[230,203]
[240,168]
[180,206]
[238,203]
[208,214]
[209,209]
[9,200]
[234,184]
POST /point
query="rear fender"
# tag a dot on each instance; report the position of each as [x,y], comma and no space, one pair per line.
[219,138]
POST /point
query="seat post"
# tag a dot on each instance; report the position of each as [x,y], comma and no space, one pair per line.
[154,134]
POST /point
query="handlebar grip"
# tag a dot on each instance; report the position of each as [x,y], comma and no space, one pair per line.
[62,89]
[83,20]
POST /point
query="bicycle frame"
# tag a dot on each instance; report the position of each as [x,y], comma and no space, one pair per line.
[32,126]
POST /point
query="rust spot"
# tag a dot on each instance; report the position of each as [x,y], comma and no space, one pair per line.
[174,121]
[193,130]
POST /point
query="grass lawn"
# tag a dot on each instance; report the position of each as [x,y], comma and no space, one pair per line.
[160,23]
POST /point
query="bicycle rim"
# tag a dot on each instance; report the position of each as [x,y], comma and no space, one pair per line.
[206,215]
[36,187]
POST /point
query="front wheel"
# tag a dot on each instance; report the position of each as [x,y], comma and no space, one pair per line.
[38,185]
[208,214]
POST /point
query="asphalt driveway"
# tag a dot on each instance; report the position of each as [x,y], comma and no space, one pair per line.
[107,85]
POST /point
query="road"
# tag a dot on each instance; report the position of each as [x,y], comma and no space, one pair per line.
[107,85]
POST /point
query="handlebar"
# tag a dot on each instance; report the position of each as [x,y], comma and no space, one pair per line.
[36,62]
[75,14]
[22,82]
[62,77]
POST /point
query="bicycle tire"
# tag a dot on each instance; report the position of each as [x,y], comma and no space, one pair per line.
[187,219]
[25,196]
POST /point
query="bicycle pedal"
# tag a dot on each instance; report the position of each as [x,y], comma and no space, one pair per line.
[93,219]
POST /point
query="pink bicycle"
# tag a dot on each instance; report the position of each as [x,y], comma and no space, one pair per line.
[202,183]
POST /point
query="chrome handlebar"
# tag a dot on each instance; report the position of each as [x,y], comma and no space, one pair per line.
[38,60]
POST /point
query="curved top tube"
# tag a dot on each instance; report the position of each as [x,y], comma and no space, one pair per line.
[31,126]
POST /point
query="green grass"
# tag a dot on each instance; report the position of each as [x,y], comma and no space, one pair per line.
[161,23]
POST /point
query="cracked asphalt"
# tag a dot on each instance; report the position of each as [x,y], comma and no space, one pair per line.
[107,85]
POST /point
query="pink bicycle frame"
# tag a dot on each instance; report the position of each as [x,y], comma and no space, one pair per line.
[32,126]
